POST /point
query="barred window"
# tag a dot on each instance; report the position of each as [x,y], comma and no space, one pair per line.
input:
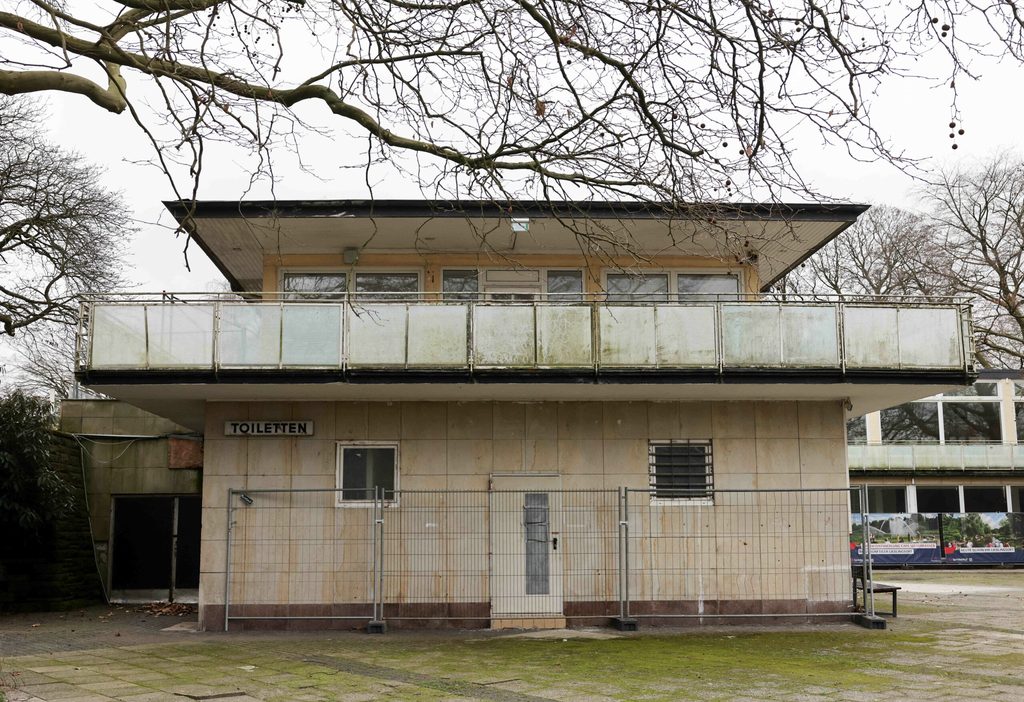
[681,469]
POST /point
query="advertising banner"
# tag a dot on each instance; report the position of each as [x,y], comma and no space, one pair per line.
[983,537]
[898,539]
[923,539]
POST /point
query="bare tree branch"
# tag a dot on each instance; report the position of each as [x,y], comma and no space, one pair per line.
[61,232]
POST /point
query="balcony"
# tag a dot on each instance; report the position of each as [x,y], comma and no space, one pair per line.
[935,458]
[207,338]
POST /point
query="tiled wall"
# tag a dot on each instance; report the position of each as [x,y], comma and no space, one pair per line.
[457,446]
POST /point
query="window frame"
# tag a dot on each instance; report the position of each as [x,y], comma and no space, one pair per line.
[350,276]
[339,465]
[673,295]
[482,292]
[707,499]
[284,272]
[367,297]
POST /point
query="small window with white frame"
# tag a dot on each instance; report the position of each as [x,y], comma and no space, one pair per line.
[362,469]
[681,470]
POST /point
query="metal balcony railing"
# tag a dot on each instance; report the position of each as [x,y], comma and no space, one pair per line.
[477,332]
[931,457]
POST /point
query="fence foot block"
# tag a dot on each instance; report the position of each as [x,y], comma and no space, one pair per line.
[626,624]
[869,622]
[377,626]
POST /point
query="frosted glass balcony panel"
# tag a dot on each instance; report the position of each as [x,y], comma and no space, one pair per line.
[1000,456]
[901,457]
[627,336]
[180,336]
[929,338]
[437,336]
[929,456]
[970,455]
[503,336]
[118,336]
[810,336]
[564,336]
[870,337]
[751,336]
[250,335]
[1017,456]
[686,336]
[311,335]
[377,335]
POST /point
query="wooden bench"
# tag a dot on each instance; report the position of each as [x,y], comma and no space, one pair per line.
[876,588]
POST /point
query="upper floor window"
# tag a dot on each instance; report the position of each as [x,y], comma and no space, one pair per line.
[971,421]
[387,285]
[625,287]
[945,420]
[857,430]
[326,284]
[460,284]
[565,286]
[513,285]
[314,285]
[656,287]
[914,421]
[707,285]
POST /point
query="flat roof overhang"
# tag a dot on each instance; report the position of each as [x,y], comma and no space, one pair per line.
[236,235]
[182,396]
[936,473]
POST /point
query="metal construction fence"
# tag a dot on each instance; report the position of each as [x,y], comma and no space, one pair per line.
[535,552]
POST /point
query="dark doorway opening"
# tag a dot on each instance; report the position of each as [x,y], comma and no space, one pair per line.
[155,546]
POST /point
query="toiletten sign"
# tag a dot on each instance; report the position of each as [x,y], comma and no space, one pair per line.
[251,428]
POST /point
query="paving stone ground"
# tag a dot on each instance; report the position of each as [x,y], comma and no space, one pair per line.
[961,641]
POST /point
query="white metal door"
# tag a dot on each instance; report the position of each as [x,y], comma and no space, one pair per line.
[526,564]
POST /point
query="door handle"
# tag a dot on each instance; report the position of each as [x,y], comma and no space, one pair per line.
[554,543]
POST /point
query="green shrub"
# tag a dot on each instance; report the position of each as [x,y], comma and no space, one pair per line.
[31,492]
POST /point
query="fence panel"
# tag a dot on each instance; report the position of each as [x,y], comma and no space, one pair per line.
[738,553]
[296,554]
[478,555]
[530,550]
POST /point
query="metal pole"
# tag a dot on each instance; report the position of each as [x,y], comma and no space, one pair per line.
[622,553]
[227,558]
[626,547]
[374,589]
[380,543]
[869,609]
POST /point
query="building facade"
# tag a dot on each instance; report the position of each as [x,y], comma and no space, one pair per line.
[518,415]
[936,464]
[143,485]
